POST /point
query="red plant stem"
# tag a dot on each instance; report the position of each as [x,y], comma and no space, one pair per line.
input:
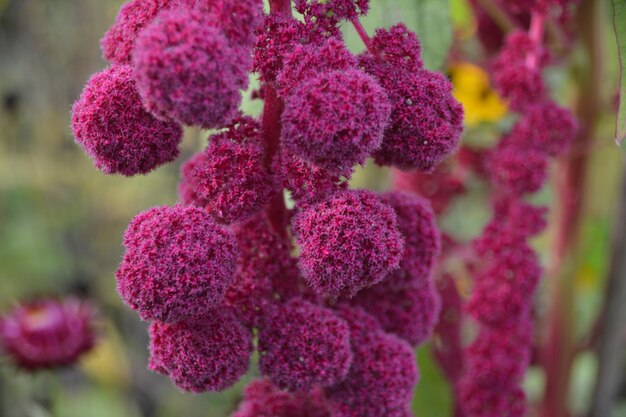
[362,33]
[500,16]
[536,36]
[272,111]
[559,350]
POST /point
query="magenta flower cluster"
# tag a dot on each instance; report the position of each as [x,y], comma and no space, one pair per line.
[334,293]
[507,270]
[48,333]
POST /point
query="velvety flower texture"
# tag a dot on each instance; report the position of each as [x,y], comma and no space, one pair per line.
[518,172]
[304,345]
[209,352]
[513,77]
[263,399]
[110,123]
[238,19]
[308,61]
[496,362]
[349,242]
[308,183]
[426,121]
[178,263]
[416,222]
[47,333]
[546,127]
[187,70]
[265,273]
[231,180]
[381,378]
[119,41]
[336,120]
[410,314]
[505,289]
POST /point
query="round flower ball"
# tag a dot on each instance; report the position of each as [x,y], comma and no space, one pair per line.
[209,352]
[518,170]
[348,242]
[416,222]
[186,70]
[119,41]
[264,399]
[188,186]
[426,120]
[265,272]
[111,125]
[308,61]
[410,314]
[335,120]
[47,333]
[307,183]
[546,127]
[178,263]
[232,178]
[304,345]
[381,378]
[398,46]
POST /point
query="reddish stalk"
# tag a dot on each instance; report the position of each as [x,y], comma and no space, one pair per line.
[536,36]
[559,350]
[362,33]
[500,16]
[272,111]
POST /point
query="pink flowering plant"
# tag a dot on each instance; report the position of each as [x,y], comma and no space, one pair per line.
[336,291]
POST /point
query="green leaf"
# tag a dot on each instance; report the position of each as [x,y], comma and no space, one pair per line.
[434,28]
[619,24]
[433,397]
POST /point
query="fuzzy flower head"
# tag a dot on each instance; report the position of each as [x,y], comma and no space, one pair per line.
[505,289]
[178,263]
[265,273]
[518,170]
[410,314]
[308,183]
[513,76]
[264,399]
[209,352]
[230,178]
[275,41]
[110,123]
[416,222]
[304,345]
[546,127]
[324,16]
[119,41]
[398,46]
[187,70]
[426,121]
[380,381]
[336,120]
[47,333]
[308,61]
[349,242]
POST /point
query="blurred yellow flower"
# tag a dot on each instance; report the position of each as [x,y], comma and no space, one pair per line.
[473,89]
[107,363]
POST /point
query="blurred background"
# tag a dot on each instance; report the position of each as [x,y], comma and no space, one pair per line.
[61,220]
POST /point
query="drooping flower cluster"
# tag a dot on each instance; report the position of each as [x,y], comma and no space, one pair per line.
[48,333]
[220,269]
[505,271]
